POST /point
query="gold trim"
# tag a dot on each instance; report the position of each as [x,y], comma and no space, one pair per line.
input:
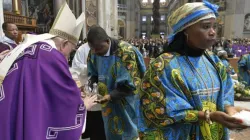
[1,80]
[64,35]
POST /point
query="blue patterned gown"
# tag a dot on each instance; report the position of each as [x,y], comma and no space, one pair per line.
[172,93]
[243,66]
[123,68]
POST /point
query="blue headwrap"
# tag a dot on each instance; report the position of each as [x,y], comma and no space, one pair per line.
[189,14]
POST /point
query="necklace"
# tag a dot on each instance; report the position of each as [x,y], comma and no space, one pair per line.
[196,71]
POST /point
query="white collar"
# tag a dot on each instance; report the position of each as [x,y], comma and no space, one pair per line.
[108,53]
[8,40]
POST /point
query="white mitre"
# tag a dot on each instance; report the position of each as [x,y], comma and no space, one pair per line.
[65,26]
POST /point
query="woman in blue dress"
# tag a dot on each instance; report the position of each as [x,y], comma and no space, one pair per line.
[244,69]
[223,57]
[186,93]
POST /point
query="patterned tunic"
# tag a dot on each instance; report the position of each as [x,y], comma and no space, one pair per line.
[175,89]
[244,65]
[124,67]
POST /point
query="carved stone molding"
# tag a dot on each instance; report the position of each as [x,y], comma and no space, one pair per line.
[91,13]
[91,21]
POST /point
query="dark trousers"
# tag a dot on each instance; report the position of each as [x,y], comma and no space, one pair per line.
[94,126]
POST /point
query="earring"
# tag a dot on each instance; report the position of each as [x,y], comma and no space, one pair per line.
[186,36]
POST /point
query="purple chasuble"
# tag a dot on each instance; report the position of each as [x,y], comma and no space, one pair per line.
[4,46]
[39,100]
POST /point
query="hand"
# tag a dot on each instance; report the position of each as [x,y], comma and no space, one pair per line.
[248,71]
[226,120]
[3,54]
[83,95]
[231,110]
[89,102]
[104,100]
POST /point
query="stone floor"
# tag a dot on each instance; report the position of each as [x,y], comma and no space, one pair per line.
[244,134]
[240,135]
[242,104]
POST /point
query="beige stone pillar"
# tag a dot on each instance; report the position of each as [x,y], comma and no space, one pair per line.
[74,7]
[57,5]
[106,16]
[101,13]
[1,20]
[84,32]
[77,8]
[114,19]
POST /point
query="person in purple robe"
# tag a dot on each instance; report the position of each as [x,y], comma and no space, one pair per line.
[11,33]
[39,100]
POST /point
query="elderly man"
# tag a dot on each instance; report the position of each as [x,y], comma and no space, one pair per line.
[11,34]
[38,98]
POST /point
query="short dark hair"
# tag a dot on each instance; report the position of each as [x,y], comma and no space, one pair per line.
[96,33]
[5,25]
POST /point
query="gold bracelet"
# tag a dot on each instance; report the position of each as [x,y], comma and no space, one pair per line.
[207,116]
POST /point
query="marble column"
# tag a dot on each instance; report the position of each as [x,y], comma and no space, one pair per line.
[130,19]
[149,27]
[1,20]
[77,8]
[138,21]
[107,14]
[84,32]
[101,11]
[57,5]
[114,19]
[74,7]
[16,7]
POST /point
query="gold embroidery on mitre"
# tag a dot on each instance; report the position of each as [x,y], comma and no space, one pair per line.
[64,35]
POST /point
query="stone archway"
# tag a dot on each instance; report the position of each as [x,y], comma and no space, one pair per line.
[121,28]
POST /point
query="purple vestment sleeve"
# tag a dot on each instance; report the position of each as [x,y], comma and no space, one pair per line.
[3,47]
[39,100]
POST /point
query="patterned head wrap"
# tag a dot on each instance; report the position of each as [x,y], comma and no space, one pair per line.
[189,14]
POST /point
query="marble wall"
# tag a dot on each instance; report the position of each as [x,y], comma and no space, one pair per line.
[235,18]
[108,16]
[97,12]
[1,20]
[91,13]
